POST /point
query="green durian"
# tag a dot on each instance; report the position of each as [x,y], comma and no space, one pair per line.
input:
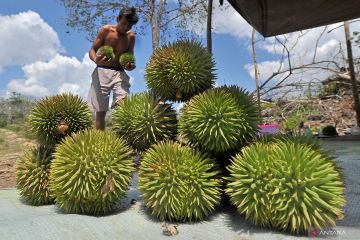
[54,117]
[180,70]
[126,58]
[178,183]
[90,172]
[287,186]
[248,104]
[32,171]
[143,120]
[106,51]
[215,121]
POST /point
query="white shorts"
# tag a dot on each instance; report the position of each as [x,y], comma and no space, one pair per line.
[105,79]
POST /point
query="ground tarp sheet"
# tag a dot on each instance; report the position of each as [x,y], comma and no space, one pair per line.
[19,221]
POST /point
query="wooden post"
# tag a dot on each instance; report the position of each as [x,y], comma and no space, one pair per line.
[352,72]
[209,19]
[256,73]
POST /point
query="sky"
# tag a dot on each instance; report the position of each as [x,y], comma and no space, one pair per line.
[41,56]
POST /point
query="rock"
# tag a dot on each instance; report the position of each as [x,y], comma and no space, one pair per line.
[315,117]
[170,229]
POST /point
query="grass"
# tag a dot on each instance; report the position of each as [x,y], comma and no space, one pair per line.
[20,128]
[13,137]
[13,128]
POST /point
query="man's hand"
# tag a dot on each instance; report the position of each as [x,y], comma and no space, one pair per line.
[101,59]
[129,66]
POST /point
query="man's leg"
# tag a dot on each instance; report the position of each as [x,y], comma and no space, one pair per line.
[100,120]
[120,88]
[98,98]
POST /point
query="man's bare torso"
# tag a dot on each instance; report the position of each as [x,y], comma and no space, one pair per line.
[119,42]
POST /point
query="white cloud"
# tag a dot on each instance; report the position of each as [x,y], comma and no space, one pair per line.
[30,42]
[233,24]
[70,87]
[26,38]
[266,69]
[60,74]
[17,85]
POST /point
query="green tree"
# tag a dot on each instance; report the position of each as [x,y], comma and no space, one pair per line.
[14,108]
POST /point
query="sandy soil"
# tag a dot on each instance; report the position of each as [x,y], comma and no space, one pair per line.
[11,148]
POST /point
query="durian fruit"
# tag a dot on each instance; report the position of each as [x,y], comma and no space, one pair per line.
[180,70]
[286,186]
[90,172]
[178,183]
[248,105]
[308,140]
[106,51]
[32,175]
[143,119]
[214,121]
[126,58]
[54,117]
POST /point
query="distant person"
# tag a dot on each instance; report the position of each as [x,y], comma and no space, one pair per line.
[109,74]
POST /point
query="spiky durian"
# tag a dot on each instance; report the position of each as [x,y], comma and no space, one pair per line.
[106,51]
[143,119]
[180,70]
[126,58]
[32,175]
[287,186]
[215,122]
[90,172]
[54,117]
[178,183]
[310,141]
[248,105]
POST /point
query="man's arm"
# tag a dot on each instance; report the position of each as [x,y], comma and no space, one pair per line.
[131,37]
[98,42]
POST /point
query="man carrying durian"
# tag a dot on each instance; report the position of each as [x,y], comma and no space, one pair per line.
[110,45]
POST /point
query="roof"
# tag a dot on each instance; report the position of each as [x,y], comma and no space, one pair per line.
[275,17]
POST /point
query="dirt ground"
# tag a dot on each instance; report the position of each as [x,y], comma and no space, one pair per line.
[11,148]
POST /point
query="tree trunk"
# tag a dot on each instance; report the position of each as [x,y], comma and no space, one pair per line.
[208,33]
[159,13]
[153,24]
[256,73]
[352,72]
